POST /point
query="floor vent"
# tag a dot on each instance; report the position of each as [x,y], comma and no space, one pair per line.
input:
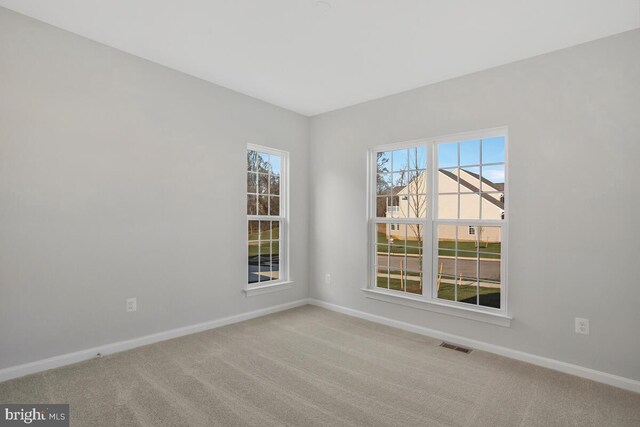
[455,347]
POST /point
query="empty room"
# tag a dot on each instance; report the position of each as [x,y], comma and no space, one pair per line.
[319,213]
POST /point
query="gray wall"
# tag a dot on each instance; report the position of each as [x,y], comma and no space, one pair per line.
[121,178]
[574,249]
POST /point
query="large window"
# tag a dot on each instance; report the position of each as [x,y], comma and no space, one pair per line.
[266,216]
[438,220]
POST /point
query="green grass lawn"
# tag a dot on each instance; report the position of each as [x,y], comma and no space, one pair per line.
[265,248]
[489,297]
[265,235]
[487,250]
[445,247]
[413,286]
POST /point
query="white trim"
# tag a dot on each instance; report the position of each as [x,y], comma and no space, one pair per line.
[438,306]
[268,150]
[545,362]
[82,355]
[268,288]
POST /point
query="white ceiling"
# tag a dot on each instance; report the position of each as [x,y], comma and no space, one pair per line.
[314,58]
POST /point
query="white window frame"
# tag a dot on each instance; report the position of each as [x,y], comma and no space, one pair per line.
[284,281]
[428,300]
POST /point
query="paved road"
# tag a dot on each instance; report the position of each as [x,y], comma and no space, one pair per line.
[489,270]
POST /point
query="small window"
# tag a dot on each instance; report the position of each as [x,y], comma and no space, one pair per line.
[266,216]
[472,230]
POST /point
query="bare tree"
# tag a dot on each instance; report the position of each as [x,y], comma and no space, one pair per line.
[415,188]
[382,186]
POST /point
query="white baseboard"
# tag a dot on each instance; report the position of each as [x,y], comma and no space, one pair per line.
[79,356]
[568,368]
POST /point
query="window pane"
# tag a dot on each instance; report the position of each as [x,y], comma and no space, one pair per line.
[253,229]
[275,260]
[418,158]
[446,285]
[383,162]
[263,183]
[382,277]
[253,262]
[381,233]
[275,164]
[400,160]
[493,178]
[275,230]
[470,179]
[469,206]
[263,162]
[274,206]
[413,282]
[265,230]
[413,205]
[446,237]
[252,160]
[447,155]
[490,246]
[414,258]
[467,275]
[490,282]
[263,205]
[256,250]
[264,268]
[470,153]
[448,181]
[381,206]
[399,182]
[468,233]
[274,184]
[384,183]
[396,281]
[252,182]
[382,255]
[417,182]
[490,242]
[492,206]
[493,150]
[448,206]
[399,256]
[415,234]
[252,204]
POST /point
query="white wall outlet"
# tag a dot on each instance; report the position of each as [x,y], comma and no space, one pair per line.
[132,305]
[327,279]
[582,326]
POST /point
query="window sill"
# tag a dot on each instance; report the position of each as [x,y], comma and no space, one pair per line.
[267,289]
[424,304]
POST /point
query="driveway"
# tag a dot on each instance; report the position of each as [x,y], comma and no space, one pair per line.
[489,269]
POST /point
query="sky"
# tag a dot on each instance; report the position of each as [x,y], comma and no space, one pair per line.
[491,150]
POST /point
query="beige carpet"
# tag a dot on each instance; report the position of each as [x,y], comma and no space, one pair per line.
[310,366]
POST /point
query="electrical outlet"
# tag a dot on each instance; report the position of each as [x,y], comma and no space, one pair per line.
[582,326]
[327,279]
[132,305]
